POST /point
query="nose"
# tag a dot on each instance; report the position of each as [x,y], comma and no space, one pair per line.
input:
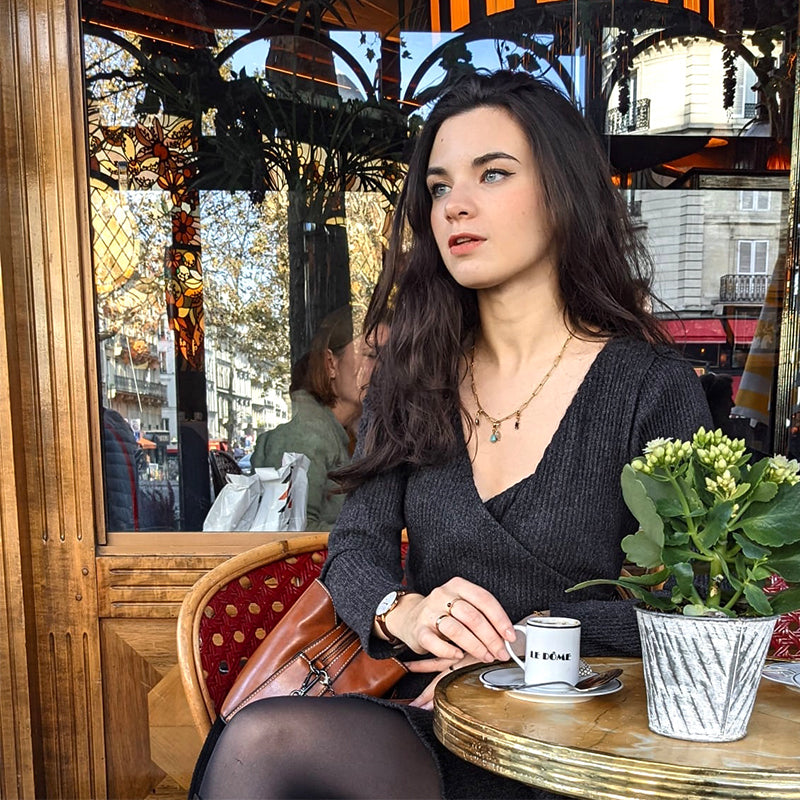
[459,204]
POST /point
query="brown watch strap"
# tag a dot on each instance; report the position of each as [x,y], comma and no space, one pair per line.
[381,620]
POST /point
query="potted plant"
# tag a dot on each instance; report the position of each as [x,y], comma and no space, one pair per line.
[713,529]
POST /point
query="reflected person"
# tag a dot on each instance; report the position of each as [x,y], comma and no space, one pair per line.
[326,393]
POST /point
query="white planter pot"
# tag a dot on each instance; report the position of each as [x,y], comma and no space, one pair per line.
[701,673]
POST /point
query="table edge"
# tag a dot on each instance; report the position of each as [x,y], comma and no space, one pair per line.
[598,776]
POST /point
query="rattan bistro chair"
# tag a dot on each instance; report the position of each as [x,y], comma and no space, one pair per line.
[231,609]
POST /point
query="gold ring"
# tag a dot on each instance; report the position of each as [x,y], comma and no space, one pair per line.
[450,603]
[438,621]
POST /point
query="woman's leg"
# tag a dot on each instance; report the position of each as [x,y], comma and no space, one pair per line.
[306,747]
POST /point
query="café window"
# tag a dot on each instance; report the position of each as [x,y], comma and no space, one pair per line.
[245,164]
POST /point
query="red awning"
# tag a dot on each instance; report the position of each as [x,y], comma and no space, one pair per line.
[743,330]
[697,331]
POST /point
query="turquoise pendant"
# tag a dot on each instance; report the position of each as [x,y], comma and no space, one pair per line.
[495,437]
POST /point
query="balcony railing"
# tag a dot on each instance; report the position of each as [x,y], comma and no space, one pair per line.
[122,383]
[743,288]
[637,118]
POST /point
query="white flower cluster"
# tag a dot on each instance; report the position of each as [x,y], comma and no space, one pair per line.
[781,470]
[722,486]
[662,453]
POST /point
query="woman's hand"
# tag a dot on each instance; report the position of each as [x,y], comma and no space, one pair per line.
[456,619]
[441,665]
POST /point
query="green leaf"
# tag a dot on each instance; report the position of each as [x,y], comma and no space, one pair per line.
[644,549]
[786,562]
[696,506]
[716,524]
[675,555]
[648,578]
[669,507]
[754,473]
[776,523]
[741,490]
[760,573]
[641,505]
[786,601]
[684,579]
[654,600]
[750,549]
[695,610]
[764,492]
[673,538]
[758,600]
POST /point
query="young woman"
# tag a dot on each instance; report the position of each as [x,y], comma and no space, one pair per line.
[521,372]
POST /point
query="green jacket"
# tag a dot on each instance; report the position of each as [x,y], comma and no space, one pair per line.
[315,432]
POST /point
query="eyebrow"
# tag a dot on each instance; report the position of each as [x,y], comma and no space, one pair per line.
[478,161]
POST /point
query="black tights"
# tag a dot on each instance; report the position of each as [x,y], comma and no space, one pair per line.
[301,747]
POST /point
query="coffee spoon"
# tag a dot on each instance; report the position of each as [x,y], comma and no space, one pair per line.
[583,685]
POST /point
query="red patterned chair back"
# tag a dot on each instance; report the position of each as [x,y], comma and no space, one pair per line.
[785,644]
[231,609]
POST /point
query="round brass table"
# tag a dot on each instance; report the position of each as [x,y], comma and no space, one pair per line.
[602,748]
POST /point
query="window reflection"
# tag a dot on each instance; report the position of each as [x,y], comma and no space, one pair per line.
[244,167]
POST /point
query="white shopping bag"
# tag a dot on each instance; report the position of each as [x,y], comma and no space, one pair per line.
[284,493]
[269,500]
[236,505]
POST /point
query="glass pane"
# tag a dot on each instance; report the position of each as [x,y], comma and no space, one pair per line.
[244,169]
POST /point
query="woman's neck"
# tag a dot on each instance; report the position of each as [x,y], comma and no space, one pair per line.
[516,330]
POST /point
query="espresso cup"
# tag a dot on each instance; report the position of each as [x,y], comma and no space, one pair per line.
[552,649]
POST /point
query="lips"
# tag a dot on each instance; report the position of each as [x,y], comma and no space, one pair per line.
[463,243]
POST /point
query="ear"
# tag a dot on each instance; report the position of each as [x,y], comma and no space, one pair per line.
[331,364]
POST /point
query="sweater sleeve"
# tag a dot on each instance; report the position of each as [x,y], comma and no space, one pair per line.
[364,562]
[670,403]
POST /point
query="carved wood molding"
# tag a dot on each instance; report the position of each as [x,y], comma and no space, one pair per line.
[47,299]
[16,742]
[148,587]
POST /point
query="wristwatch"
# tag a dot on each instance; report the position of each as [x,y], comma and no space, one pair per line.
[384,607]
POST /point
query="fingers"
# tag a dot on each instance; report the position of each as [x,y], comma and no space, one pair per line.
[425,698]
[455,619]
[474,621]
[429,665]
[489,607]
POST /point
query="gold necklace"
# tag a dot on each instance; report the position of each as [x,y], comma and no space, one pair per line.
[495,423]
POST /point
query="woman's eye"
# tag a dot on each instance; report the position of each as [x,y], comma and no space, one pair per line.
[494,175]
[438,189]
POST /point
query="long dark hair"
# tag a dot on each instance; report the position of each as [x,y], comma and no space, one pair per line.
[604,274]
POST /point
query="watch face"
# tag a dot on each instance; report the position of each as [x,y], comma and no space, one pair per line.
[386,603]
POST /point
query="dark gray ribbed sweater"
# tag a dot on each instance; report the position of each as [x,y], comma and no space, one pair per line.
[561,525]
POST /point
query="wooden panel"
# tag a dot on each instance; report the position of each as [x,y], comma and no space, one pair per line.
[147,586]
[142,576]
[47,298]
[16,744]
[151,741]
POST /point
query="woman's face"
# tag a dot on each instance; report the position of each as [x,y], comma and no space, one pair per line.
[488,213]
[345,374]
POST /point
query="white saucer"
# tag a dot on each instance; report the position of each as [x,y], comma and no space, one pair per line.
[503,677]
[786,673]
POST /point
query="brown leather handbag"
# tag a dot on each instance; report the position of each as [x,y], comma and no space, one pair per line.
[310,652]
